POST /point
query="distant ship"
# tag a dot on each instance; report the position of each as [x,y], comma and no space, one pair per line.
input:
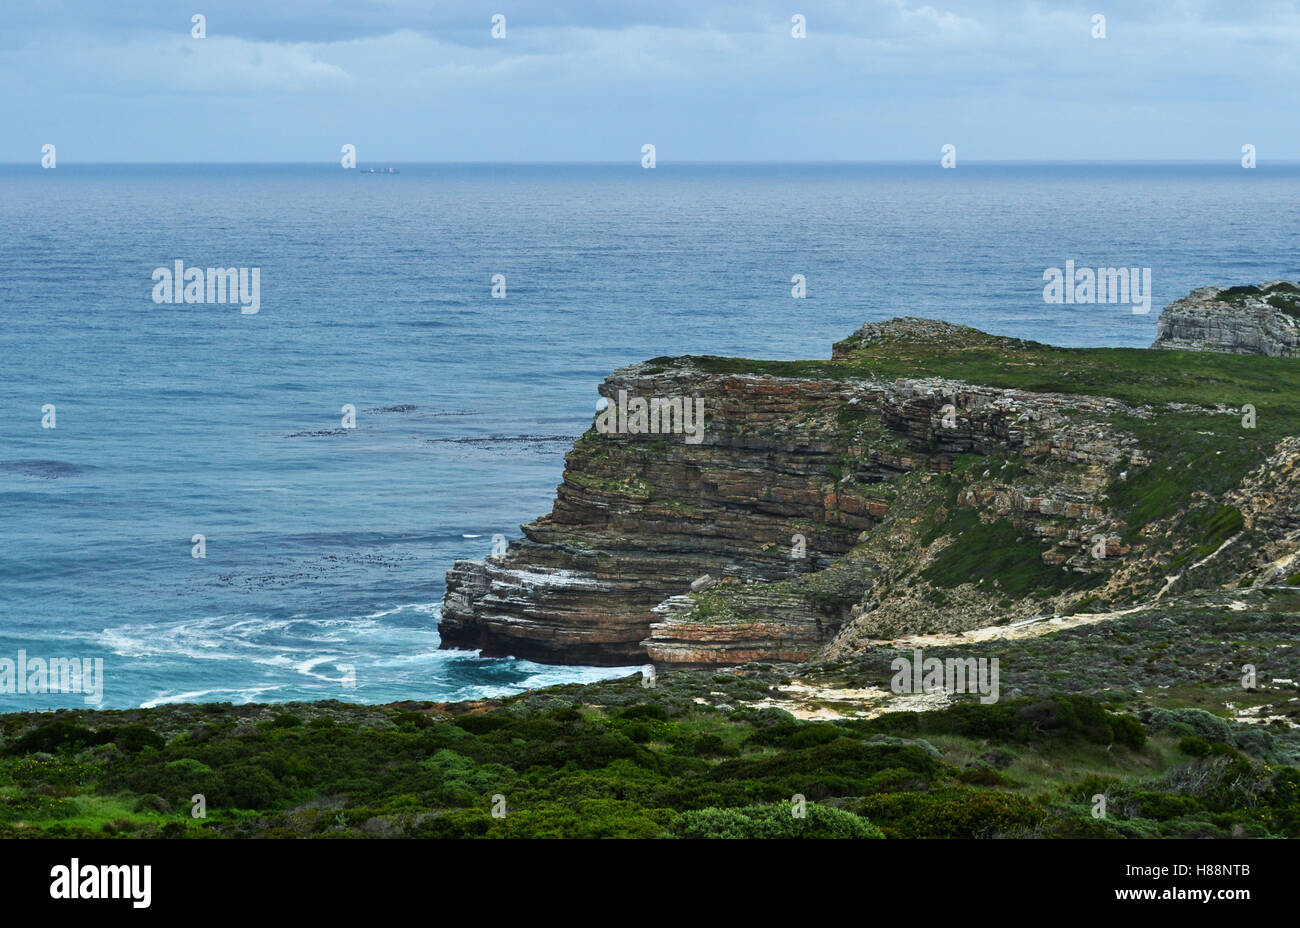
[380,171]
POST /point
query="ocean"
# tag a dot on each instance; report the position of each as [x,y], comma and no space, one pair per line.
[325,546]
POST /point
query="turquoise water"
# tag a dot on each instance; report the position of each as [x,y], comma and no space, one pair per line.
[326,547]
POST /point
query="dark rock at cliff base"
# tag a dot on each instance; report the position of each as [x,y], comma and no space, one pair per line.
[1262,319]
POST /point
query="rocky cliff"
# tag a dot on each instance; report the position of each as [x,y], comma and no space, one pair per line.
[1262,319]
[928,478]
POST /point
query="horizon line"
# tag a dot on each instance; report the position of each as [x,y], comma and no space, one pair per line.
[633,162]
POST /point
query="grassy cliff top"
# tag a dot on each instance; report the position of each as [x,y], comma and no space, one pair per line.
[916,348]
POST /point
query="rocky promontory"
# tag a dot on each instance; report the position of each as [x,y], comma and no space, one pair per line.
[1249,319]
[928,478]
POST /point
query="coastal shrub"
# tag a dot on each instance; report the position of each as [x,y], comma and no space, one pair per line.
[1284,802]
[1260,742]
[952,813]
[460,823]
[774,821]
[998,759]
[701,794]
[706,744]
[1285,788]
[1288,303]
[914,742]
[645,711]
[31,771]
[187,767]
[983,776]
[406,719]
[54,737]
[376,771]
[588,818]
[482,724]
[1079,825]
[1127,730]
[152,802]
[639,732]
[461,780]
[133,738]
[62,735]
[620,780]
[1221,782]
[1022,720]
[762,718]
[1090,786]
[248,787]
[843,767]
[1077,822]
[589,749]
[1183,722]
[1194,746]
[796,735]
[893,780]
[1162,806]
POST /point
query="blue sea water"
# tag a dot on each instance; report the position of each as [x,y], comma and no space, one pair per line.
[326,548]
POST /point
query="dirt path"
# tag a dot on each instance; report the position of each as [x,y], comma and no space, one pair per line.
[812,701]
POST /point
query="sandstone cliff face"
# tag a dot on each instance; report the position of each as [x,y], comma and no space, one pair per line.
[1236,320]
[831,506]
[640,516]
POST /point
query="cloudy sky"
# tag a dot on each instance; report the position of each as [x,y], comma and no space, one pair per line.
[577,80]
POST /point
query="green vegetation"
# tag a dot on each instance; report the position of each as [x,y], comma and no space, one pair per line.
[1289,303]
[1001,554]
[1284,296]
[1133,375]
[618,760]
[1239,294]
[1195,458]
[774,821]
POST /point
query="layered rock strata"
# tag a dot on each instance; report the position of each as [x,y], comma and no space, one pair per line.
[640,516]
[789,475]
[829,505]
[1262,319]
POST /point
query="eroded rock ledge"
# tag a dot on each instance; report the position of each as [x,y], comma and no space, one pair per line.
[1262,319]
[925,503]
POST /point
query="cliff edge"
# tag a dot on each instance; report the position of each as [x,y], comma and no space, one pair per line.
[928,478]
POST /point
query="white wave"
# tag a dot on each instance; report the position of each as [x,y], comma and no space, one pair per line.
[242,695]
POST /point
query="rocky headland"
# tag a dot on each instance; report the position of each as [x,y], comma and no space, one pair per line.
[928,478]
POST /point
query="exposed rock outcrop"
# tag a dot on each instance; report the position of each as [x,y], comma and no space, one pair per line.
[1234,320]
[1269,500]
[847,501]
[640,516]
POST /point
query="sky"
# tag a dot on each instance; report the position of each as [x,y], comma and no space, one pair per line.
[702,80]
